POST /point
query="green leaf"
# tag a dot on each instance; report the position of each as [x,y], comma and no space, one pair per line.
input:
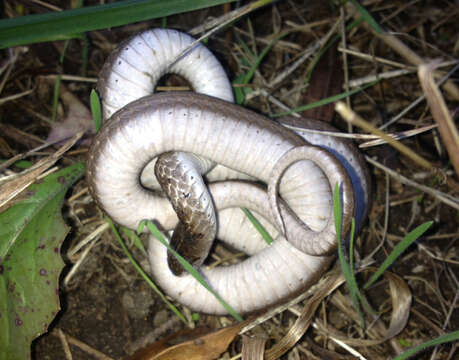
[96,109]
[31,234]
[398,250]
[71,23]
[136,239]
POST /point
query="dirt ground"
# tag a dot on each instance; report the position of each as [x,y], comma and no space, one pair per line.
[106,305]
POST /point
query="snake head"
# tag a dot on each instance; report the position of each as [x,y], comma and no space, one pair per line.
[184,243]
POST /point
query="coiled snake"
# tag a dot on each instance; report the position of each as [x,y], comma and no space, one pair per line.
[190,133]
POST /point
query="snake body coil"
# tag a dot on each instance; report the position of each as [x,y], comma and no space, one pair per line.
[214,131]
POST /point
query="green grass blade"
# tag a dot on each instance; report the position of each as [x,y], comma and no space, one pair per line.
[188,267]
[345,268]
[326,101]
[454,336]
[143,274]
[244,79]
[398,250]
[258,60]
[70,23]
[367,17]
[260,228]
[136,239]
[96,109]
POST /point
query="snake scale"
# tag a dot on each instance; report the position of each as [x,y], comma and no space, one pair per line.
[238,151]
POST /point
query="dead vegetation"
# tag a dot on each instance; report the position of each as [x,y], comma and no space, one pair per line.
[107,308]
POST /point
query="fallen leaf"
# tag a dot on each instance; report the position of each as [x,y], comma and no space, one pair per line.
[78,119]
[202,347]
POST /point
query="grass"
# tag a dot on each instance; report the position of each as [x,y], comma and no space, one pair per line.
[188,267]
[347,266]
[70,24]
[434,306]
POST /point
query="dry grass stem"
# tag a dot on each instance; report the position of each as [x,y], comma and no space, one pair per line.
[417,101]
[16,96]
[412,57]
[90,237]
[314,48]
[445,198]
[81,345]
[13,187]
[440,113]
[65,344]
[355,119]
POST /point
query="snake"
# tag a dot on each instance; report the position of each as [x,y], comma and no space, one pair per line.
[190,161]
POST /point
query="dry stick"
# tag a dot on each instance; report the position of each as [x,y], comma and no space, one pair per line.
[440,113]
[398,136]
[355,119]
[287,46]
[217,21]
[253,348]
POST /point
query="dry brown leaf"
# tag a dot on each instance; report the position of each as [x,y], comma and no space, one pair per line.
[302,323]
[11,188]
[253,348]
[204,347]
[401,303]
[77,119]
